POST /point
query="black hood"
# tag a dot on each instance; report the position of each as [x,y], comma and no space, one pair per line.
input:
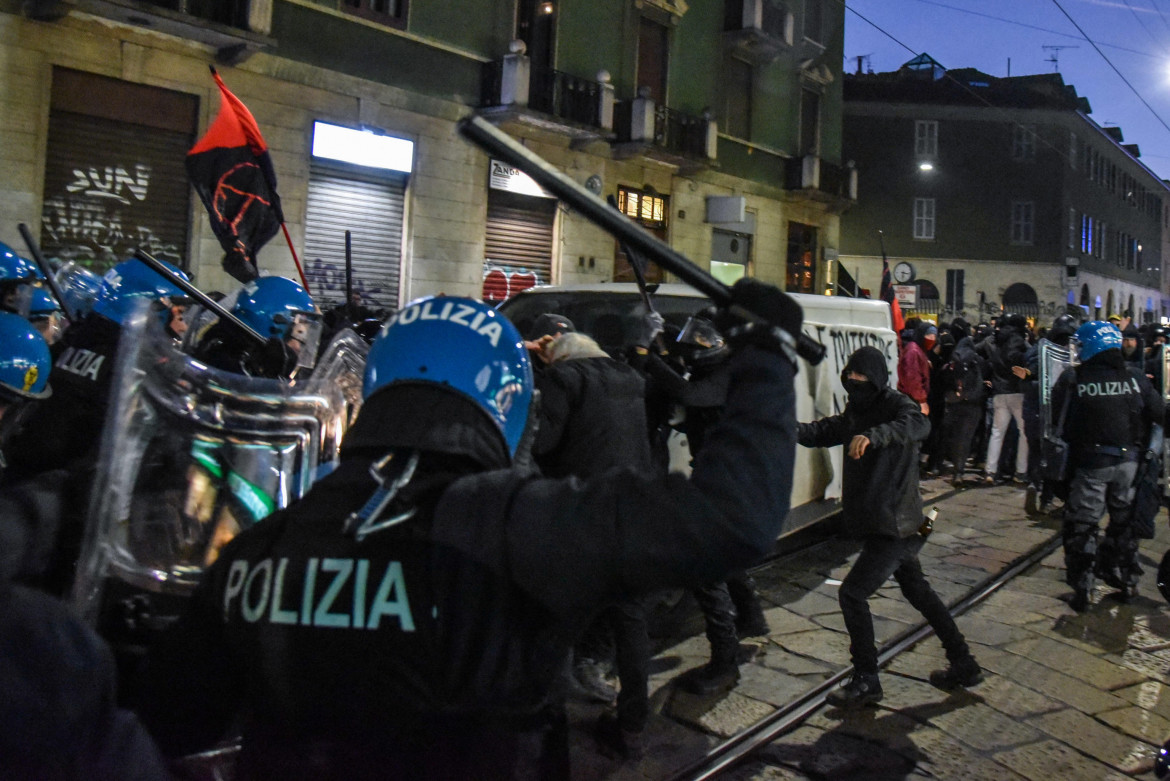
[869,362]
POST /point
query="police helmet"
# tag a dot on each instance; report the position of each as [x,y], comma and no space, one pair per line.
[16,267]
[279,308]
[79,286]
[708,347]
[24,359]
[1096,337]
[1062,329]
[132,281]
[461,344]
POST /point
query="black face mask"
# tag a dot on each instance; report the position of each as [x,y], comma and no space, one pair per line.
[860,390]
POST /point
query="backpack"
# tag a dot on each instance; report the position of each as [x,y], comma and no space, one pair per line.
[962,380]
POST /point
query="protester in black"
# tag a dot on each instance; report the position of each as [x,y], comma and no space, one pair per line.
[964,394]
[1111,407]
[881,429]
[423,640]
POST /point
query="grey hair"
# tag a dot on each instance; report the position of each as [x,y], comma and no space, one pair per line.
[572,345]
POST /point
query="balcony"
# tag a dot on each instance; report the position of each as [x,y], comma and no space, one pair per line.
[757,31]
[809,178]
[550,99]
[235,28]
[645,129]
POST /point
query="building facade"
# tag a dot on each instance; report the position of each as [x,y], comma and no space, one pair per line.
[1000,194]
[716,126]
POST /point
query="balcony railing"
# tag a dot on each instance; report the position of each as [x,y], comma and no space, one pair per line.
[670,130]
[811,173]
[512,83]
[236,29]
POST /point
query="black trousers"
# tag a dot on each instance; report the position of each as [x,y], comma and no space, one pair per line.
[881,557]
[962,420]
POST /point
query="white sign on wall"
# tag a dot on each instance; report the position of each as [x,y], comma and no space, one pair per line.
[504,177]
[907,295]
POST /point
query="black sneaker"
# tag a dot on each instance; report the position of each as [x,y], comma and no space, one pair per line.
[1080,600]
[860,690]
[752,626]
[958,675]
[710,679]
[615,741]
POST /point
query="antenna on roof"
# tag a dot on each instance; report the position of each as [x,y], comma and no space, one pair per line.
[861,60]
[1054,59]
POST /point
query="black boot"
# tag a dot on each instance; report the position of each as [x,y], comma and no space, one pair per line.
[958,675]
[861,689]
[716,676]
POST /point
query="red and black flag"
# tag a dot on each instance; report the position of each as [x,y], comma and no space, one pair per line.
[232,172]
[886,291]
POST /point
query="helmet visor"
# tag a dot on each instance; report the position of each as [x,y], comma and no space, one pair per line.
[304,337]
[700,332]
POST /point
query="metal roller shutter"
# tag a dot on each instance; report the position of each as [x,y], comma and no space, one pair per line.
[370,206]
[519,244]
[111,186]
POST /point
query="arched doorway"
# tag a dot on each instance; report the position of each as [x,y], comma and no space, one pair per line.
[1019,293]
[927,289]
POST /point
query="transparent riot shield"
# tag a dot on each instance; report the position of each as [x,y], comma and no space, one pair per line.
[1162,356]
[190,456]
[342,365]
[1053,360]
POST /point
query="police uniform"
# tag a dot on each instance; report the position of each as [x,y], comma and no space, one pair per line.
[1110,409]
[428,649]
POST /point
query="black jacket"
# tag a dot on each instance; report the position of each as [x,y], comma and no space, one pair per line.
[1002,351]
[1110,408]
[880,490]
[424,650]
[592,418]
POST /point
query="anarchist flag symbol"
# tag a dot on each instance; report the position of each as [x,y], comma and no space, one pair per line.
[231,170]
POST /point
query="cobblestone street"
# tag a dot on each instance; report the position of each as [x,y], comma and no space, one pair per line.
[1066,696]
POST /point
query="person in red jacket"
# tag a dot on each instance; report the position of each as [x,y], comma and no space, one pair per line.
[913,365]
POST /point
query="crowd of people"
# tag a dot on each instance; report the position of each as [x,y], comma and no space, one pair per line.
[500,520]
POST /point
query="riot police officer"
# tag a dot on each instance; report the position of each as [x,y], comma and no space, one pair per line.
[278,309]
[408,616]
[1111,407]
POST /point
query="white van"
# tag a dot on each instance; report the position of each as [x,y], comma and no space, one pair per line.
[612,314]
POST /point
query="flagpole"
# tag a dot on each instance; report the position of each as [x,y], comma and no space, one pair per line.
[292,249]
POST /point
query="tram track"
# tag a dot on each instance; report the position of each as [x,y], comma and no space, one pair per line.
[753,739]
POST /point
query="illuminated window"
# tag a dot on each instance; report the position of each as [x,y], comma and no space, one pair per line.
[646,208]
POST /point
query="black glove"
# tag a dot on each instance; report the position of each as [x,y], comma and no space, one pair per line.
[274,360]
[652,325]
[761,314]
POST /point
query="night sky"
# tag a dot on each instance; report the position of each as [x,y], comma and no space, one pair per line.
[1134,35]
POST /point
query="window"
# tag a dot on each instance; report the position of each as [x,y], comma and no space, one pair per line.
[955,284]
[1023,142]
[924,218]
[1072,228]
[810,122]
[653,40]
[388,12]
[814,20]
[735,119]
[1072,151]
[1022,222]
[925,138]
[1099,240]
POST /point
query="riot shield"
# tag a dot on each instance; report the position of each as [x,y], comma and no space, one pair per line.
[1053,360]
[1162,355]
[190,456]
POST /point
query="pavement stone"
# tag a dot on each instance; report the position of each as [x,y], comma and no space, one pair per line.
[1139,723]
[1073,661]
[1052,759]
[1151,696]
[1090,736]
[723,715]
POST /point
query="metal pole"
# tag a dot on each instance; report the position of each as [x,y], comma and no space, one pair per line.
[198,295]
[501,145]
[348,268]
[50,280]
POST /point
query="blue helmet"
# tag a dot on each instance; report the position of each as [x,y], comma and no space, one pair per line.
[24,359]
[41,304]
[463,344]
[269,305]
[1096,337]
[131,281]
[79,286]
[14,266]
[279,308]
